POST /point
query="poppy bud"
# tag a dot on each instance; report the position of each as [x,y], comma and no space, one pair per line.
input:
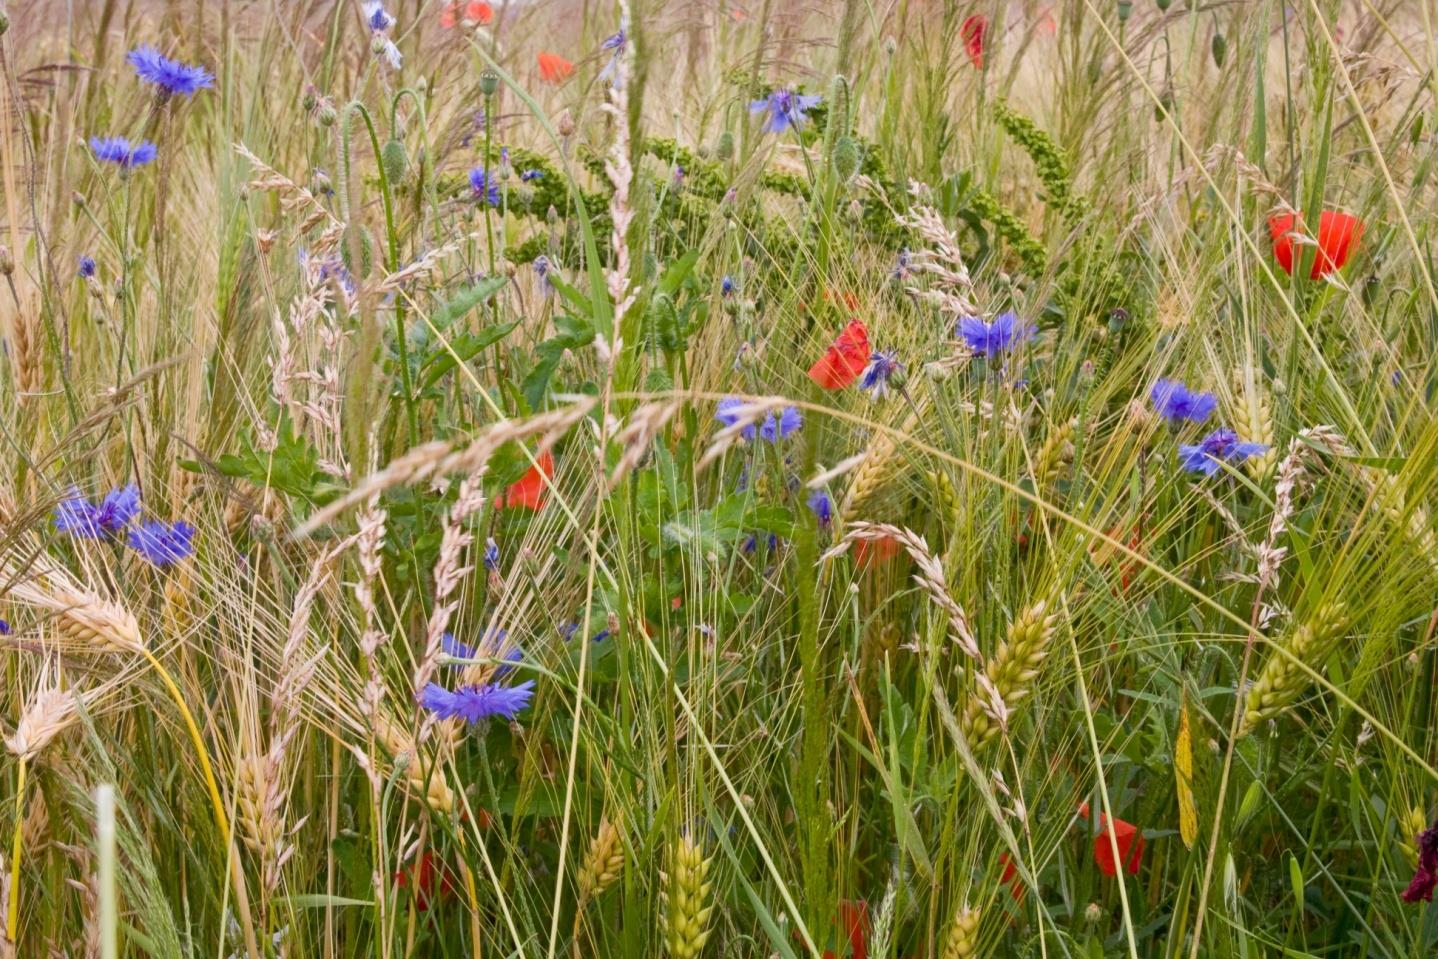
[488,83]
[565,124]
[1220,49]
[7,261]
[392,158]
[1164,107]
[846,158]
[1163,5]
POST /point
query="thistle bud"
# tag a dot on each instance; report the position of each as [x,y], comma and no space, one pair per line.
[565,124]
[309,101]
[326,115]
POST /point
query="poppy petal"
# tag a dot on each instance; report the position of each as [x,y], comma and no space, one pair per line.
[529,490]
[973,32]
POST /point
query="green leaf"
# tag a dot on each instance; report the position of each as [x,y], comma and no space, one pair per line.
[466,300]
[461,349]
[319,900]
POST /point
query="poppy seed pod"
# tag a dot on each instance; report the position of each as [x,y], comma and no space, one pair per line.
[488,83]
[1220,49]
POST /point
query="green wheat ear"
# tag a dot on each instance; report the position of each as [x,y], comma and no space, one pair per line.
[1281,682]
[684,899]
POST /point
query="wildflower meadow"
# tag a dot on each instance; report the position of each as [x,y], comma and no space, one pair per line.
[900,479]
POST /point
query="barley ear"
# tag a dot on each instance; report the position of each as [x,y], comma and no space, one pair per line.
[603,862]
[963,938]
[684,900]
[1281,682]
[1008,678]
[1252,418]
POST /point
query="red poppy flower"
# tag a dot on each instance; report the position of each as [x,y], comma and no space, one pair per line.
[974,31]
[427,877]
[870,551]
[553,68]
[473,12]
[844,360]
[1010,877]
[1126,835]
[1338,236]
[529,490]
[854,922]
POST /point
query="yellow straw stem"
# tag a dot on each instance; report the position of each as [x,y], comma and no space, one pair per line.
[12,910]
[242,900]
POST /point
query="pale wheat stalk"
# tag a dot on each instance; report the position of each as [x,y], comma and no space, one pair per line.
[944,261]
[87,620]
[439,458]
[930,576]
[448,572]
[621,175]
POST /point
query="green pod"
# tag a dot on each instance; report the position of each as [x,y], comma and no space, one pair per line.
[395,161]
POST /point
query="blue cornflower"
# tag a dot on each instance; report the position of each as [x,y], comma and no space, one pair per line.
[4,628]
[376,17]
[168,76]
[785,109]
[530,175]
[454,648]
[1220,446]
[1175,402]
[775,429]
[79,517]
[727,413]
[823,507]
[122,152]
[901,270]
[161,543]
[616,43]
[474,703]
[542,266]
[87,267]
[726,287]
[482,185]
[678,176]
[881,366]
[771,542]
[1000,336]
[491,554]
